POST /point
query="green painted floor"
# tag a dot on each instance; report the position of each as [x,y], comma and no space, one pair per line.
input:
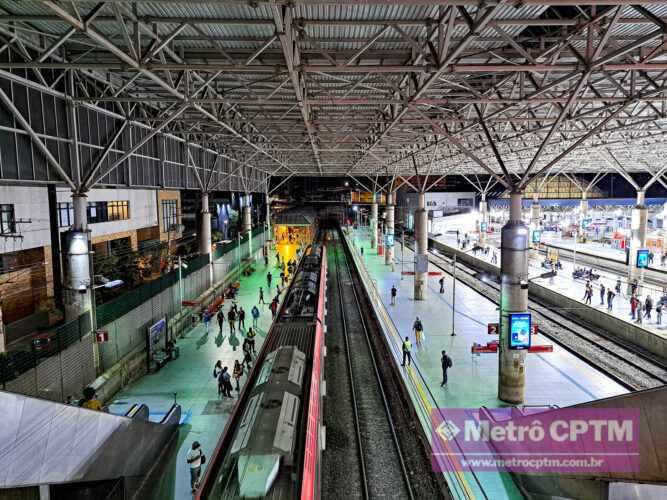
[190,380]
[557,378]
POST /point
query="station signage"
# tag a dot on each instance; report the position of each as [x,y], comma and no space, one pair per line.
[520,330]
[389,240]
[483,226]
[101,336]
[537,236]
[642,258]
[586,222]
[493,328]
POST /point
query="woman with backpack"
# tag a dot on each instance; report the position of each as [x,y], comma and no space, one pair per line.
[419,331]
[216,374]
[237,373]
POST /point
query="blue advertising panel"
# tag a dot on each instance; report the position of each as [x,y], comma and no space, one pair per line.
[389,240]
[537,235]
[586,222]
[642,258]
[483,226]
[519,330]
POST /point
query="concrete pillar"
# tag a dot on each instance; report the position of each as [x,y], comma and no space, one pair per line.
[637,240]
[483,217]
[78,280]
[513,299]
[204,227]
[389,231]
[3,340]
[535,216]
[247,220]
[268,216]
[374,221]
[421,249]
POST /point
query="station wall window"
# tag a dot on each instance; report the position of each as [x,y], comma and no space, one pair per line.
[7,220]
[118,210]
[169,214]
[65,214]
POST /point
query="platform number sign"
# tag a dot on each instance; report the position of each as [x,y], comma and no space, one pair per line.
[520,330]
[642,258]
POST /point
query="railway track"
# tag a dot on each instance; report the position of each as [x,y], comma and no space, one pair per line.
[627,364]
[373,452]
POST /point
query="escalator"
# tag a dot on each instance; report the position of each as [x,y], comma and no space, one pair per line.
[76,453]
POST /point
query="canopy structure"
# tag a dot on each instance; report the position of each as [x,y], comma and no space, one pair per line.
[347,88]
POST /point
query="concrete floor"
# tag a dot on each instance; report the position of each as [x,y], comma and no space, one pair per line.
[189,379]
[557,378]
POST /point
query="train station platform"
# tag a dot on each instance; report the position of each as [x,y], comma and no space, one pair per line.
[564,284]
[557,378]
[189,378]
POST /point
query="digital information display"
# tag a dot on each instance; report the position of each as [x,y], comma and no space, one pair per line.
[389,240]
[519,330]
[586,222]
[642,258]
[537,236]
[483,226]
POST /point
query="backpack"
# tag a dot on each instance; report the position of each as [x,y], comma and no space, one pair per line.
[449,362]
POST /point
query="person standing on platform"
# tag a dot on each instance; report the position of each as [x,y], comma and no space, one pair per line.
[442,285]
[446,363]
[393,295]
[658,313]
[255,315]
[237,374]
[231,319]
[407,351]
[618,286]
[195,458]
[494,258]
[633,306]
[274,308]
[602,294]
[419,331]
[268,279]
[207,321]
[221,319]
[650,257]
[610,299]
[648,307]
[251,340]
[241,319]
[588,293]
[261,296]
[633,287]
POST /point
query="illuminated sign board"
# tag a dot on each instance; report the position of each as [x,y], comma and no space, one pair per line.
[642,258]
[389,240]
[537,235]
[483,226]
[586,222]
[519,330]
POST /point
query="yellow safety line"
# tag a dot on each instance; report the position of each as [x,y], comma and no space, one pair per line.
[417,384]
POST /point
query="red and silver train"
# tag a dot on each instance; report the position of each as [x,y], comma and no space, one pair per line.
[272,442]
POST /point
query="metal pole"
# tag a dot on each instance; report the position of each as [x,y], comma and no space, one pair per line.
[238,252]
[454,298]
[180,282]
[402,244]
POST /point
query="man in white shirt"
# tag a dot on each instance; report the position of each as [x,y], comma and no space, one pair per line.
[195,459]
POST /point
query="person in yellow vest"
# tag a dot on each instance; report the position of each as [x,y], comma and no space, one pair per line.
[90,400]
[251,339]
[407,348]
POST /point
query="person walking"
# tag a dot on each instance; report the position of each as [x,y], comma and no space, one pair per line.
[274,308]
[362,251]
[446,363]
[237,373]
[407,354]
[251,340]
[255,315]
[658,314]
[648,307]
[231,319]
[633,287]
[241,319]
[247,356]
[261,296]
[393,295]
[217,370]
[268,279]
[442,285]
[207,321]
[494,258]
[266,260]
[618,286]
[419,331]
[195,458]
[221,319]
[602,294]
[610,299]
